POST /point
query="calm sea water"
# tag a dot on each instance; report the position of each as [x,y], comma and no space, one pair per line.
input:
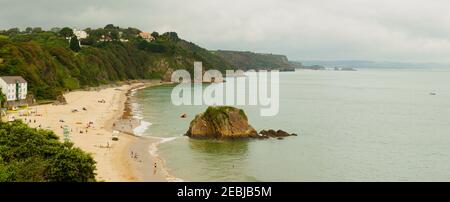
[368,125]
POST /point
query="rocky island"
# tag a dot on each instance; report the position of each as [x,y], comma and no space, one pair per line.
[224,122]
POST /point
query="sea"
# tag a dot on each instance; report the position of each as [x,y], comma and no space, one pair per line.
[366,125]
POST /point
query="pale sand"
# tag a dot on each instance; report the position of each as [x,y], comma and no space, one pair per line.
[114,164]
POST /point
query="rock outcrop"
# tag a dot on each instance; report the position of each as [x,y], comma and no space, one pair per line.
[221,122]
[275,134]
[167,77]
[60,100]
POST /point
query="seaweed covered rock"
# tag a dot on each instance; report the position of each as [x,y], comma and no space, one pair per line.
[275,134]
[221,122]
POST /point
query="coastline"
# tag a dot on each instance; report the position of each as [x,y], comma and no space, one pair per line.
[144,146]
[91,116]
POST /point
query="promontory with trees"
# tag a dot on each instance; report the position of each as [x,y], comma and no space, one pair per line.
[56,60]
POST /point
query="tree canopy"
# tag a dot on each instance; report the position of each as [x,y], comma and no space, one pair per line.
[75,44]
[34,155]
[66,32]
[52,65]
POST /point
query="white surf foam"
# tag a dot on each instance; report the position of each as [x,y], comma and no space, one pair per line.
[142,128]
[132,92]
[153,150]
[167,139]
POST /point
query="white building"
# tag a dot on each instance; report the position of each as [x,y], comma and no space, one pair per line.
[80,34]
[14,88]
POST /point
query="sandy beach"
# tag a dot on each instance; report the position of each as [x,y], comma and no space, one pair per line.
[91,117]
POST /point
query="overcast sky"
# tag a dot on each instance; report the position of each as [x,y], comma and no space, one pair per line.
[381,30]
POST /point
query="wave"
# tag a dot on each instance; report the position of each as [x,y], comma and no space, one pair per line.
[168,139]
[136,111]
[141,128]
[137,114]
[153,149]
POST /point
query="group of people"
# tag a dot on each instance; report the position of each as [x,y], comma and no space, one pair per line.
[135,156]
[30,120]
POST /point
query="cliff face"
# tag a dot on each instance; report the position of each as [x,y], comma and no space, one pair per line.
[256,61]
[221,123]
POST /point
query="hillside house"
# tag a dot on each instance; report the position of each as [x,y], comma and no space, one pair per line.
[15,90]
[80,34]
[146,36]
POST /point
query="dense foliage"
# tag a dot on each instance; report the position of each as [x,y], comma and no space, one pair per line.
[50,65]
[249,60]
[32,155]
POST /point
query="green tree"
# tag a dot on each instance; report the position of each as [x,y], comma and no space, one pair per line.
[13,31]
[55,29]
[171,36]
[155,35]
[75,44]
[115,36]
[30,155]
[111,27]
[2,101]
[28,30]
[37,30]
[2,98]
[66,32]
[89,41]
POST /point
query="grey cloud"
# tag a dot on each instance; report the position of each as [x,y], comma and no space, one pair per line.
[396,30]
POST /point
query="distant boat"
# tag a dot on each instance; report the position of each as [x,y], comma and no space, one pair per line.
[432,93]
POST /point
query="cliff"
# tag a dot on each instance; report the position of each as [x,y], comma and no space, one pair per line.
[257,61]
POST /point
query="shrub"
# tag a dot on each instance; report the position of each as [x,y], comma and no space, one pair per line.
[34,155]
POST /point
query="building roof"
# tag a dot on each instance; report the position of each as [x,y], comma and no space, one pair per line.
[13,79]
[146,35]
